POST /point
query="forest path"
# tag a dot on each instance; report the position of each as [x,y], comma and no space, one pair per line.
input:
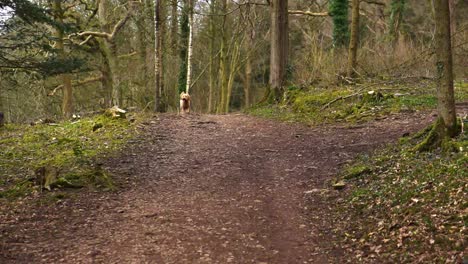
[205,189]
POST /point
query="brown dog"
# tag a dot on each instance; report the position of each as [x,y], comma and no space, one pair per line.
[184,103]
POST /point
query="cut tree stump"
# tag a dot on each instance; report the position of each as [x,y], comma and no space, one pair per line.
[116,112]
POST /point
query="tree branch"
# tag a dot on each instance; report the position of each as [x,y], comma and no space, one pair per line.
[308,13]
[79,83]
[109,36]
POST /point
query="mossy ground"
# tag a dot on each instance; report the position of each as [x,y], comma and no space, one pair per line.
[400,205]
[308,105]
[411,207]
[72,147]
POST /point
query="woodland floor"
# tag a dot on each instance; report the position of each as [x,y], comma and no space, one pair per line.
[205,189]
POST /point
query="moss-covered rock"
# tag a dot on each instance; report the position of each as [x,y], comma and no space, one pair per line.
[356,171]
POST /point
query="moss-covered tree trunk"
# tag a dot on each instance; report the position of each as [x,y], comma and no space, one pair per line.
[339,13]
[445,93]
[445,126]
[279,48]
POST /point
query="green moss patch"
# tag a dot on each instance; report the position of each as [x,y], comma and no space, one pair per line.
[351,104]
[68,151]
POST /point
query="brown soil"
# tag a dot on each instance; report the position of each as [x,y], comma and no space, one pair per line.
[204,189]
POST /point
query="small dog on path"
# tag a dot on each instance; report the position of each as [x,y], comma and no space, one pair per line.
[184,103]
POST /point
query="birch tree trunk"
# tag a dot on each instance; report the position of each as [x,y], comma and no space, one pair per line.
[279,48]
[183,47]
[354,40]
[190,47]
[67,101]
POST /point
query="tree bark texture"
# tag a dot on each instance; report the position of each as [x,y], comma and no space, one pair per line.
[142,45]
[190,47]
[279,47]
[183,47]
[223,60]
[157,57]
[106,51]
[445,91]
[212,81]
[248,74]
[174,26]
[354,40]
[67,101]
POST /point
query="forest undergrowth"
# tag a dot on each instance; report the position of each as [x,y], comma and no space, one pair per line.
[354,103]
[399,205]
[405,206]
[51,155]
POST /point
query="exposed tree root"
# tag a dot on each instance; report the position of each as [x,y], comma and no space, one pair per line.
[436,136]
[433,139]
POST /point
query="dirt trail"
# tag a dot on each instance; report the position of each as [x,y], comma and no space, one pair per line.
[204,189]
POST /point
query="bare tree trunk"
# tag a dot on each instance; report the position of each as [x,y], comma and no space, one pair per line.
[157,55]
[354,40]
[445,93]
[174,27]
[163,27]
[190,47]
[114,62]
[279,47]
[106,72]
[67,102]
[453,22]
[142,45]
[247,81]
[446,124]
[212,81]
[223,63]
[106,51]
[232,74]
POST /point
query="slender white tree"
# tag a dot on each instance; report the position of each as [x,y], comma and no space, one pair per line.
[190,46]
